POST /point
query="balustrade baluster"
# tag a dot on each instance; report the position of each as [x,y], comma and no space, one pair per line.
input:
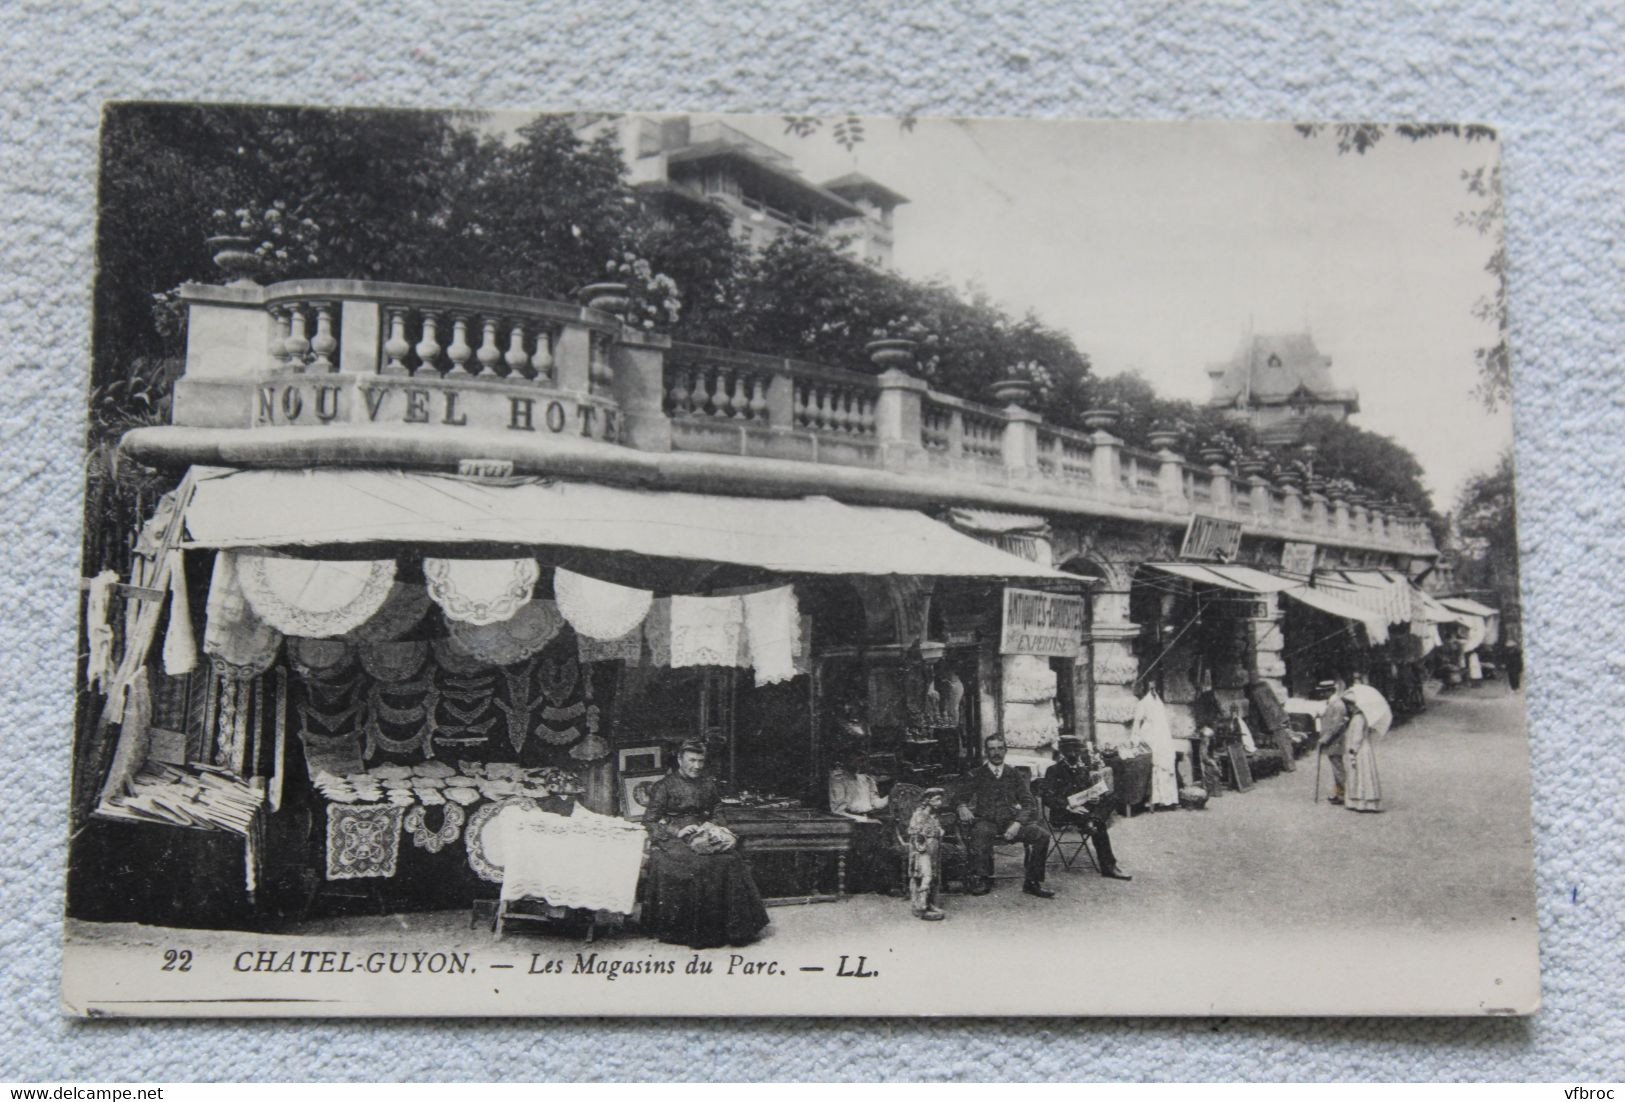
[758,397]
[459,350]
[396,347]
[741,397]
[428,349]
[489,354]
[542,362]
[802,401]
[324,344]
[677,392]
[867,424]
[697,394]
[722,395]
[279,338]
[296,344]
[517,359]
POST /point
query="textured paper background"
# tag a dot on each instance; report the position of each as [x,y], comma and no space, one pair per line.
[1547,75]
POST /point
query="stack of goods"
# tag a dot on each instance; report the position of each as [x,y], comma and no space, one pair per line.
[434,783]
[201,797]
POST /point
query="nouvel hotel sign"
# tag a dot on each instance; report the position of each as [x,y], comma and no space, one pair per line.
[432,403]
[1044,624]
[1211,538]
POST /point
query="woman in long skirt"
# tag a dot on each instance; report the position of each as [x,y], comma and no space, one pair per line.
[1369,718]
[694,893]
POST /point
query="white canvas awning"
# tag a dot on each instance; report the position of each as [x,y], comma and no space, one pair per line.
[1243,579]
[334,508]
[1375,624]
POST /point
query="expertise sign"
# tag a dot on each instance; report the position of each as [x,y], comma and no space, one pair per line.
[1046,624]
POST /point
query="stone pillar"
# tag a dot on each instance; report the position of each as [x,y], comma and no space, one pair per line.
[1171,477]
[1266,640]
[898,411]
[1293,505]
[360,336]
[639,361]
[1340,515]
[1106,462]
[229,340]
[572,359]
[1020,441]
[1261,499]
[1318,517]
[1221,487]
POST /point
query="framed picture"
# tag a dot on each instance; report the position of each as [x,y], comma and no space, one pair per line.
[635,793]
[640,759]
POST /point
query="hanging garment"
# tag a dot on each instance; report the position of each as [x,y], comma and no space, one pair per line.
[953,695]
[480,591]
[597,609]
[707,631]
[99,632]
[394,661]
[318,658]
[180,645]
[1151,727]
[233,634]
[402,610]
[505,642]
[317,598]
[772,630]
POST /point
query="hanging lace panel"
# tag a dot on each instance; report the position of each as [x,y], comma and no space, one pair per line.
[317,598]
[480,591]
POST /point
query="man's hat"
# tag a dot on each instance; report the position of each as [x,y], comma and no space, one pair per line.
[1071,740]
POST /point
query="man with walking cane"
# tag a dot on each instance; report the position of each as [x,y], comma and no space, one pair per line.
[1354,718]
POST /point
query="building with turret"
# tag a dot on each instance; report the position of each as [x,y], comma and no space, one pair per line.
[1276,382]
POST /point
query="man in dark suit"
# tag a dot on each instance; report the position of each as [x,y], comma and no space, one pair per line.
[997,804]
[1079,770]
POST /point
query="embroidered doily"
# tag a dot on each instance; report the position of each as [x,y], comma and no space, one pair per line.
[480,591]
[530,629]
[318,657]
[599,610]
[317,598]
[362,840]
[435,840]
[707,631]
[241,644]
[401,611]
[628,648]
[772,632]
[394,661]
[484,857]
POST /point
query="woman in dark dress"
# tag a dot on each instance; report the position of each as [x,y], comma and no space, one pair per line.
[693,898]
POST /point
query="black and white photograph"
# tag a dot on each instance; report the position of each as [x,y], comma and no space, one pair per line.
[582,564]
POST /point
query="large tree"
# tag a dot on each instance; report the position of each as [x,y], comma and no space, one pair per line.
[1486,522]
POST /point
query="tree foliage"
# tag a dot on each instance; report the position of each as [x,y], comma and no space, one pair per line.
[1486,522]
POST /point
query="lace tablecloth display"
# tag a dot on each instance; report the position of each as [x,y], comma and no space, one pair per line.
[579,860]
[363,840]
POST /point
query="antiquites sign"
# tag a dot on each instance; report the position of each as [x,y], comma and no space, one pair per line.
[1045,624]
[1212,538]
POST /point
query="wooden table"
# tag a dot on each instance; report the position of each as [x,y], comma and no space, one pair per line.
[794,830]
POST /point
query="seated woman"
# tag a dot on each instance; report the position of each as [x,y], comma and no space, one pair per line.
[695,894]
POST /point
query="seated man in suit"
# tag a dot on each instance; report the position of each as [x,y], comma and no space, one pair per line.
[997,804]
[1080,770]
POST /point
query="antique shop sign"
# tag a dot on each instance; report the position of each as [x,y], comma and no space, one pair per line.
[1045,624]
[1211,538]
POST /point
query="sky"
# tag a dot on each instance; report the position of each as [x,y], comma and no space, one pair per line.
[1157,246]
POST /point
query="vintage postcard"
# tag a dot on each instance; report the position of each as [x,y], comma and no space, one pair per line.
[661,564]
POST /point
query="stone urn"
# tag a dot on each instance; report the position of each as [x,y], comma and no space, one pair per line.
[1100,420]
[1163,439]
[1012,392]
[234,254]
[891,352]
[1214,456]
[611,298]
[1252,468]
[1289,480]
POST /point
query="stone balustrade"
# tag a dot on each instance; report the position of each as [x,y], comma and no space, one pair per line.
[330,353]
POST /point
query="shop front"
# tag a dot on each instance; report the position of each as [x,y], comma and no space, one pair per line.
[358,670]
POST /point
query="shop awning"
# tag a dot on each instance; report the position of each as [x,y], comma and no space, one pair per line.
[1375,624]
[1436,612]
[333,508]
[1469,606]
[1380,591]
[1243,579]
